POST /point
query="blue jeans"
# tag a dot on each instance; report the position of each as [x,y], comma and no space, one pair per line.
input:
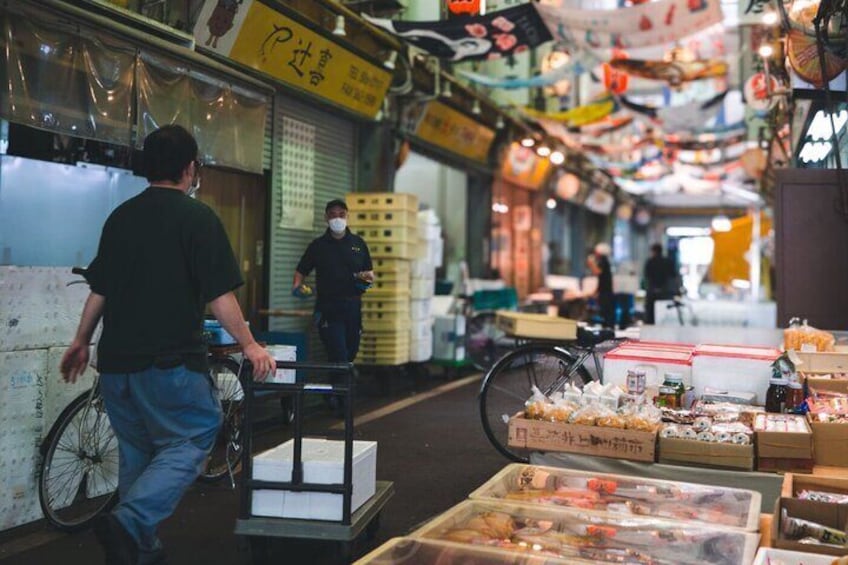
[166,421]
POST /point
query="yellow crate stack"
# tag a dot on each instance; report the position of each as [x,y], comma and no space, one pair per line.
[388,222]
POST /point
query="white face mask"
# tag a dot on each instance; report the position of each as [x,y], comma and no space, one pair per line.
[337,225]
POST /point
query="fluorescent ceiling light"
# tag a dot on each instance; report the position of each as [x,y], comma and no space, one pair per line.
[813,152]
[557,158]
[721,223]
[686,231]
[820,126]
[551,203]
[543,151]
[528,142]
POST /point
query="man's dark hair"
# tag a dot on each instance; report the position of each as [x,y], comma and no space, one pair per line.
[656,249]
[167,152]
[337,203]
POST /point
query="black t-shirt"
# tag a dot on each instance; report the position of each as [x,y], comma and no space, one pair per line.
[605,278]
[335,261]
[162,257]
[659,273]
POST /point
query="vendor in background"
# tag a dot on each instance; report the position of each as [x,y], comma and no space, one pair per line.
[660,280]
[343,272]
[599,266]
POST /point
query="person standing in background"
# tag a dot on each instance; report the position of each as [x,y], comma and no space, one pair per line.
[163,256]
[599,266]
[343,272]
[659,279]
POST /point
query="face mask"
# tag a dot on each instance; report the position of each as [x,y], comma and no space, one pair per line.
[192,190]
[337,225]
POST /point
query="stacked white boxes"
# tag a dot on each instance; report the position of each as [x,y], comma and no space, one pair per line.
[388,222]
[423,285]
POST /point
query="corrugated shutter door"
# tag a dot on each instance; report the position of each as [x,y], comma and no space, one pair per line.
[335,162]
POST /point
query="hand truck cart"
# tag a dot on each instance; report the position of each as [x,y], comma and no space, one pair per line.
[258,529]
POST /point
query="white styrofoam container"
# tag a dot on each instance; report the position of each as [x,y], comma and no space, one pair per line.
[423,269]
[422,329]
[421,350]
[428,216]
[283,353]
[655,362]
[429,231]
[57,393]
[422,288]
[449,338]
[772,556]
[421,309]
[437,251]
[733,367]
[323,463]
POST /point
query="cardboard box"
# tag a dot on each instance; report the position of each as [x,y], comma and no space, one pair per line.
[283,353]
[826,384]
[822,362]
[589,440]
[707,454]
[830,443]
[782,464]
[323,463]
[785,445]
[831,515]
[536,325]
[794,484]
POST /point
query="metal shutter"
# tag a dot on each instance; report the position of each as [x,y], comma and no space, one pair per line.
[335,162]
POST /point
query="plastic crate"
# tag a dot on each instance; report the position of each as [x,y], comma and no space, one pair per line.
[391,276]
[379,303]
[391,265]
[390,234]
[364,358]
[388,340]
[390,288]
[384,349]
[384,218]
[402,250]
[382,201]
[385,322]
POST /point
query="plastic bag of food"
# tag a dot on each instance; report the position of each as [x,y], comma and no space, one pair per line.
[537,406]
[803,337]
[587,415]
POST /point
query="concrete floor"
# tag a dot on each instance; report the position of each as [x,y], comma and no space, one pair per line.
[431,445]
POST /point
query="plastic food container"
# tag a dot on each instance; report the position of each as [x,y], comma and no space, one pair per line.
[407,551]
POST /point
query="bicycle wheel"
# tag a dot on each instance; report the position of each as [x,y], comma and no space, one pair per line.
[225,456]
[79,469]
[509,384]
[484,342]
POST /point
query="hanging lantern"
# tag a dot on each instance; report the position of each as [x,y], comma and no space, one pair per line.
[551,61]
[615,81]
[470,7]
[568,186]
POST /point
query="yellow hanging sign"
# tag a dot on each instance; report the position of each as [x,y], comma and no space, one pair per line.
[264,39]
[452,130]
[576,117]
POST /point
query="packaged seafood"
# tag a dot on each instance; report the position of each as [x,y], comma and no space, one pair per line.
[409,551]
[592,536]
[620,495]
[772,556]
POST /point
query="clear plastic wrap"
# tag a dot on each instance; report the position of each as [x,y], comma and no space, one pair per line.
[803,337]
[600,538]
[410,551]
[633,496]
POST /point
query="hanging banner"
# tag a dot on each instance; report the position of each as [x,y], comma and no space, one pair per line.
[453,131]
[580,116]
[495,35]
[523,167]
[566,71]
[674,73]
[269,41]
[644,25]
[600,202]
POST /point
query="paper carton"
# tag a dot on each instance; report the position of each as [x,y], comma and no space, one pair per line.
[830,515]
[830,443]
[707,454]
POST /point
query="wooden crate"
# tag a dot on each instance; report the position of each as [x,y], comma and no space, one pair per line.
[540,326]
[384,218]
[822,362]
[590,440]
[382,201]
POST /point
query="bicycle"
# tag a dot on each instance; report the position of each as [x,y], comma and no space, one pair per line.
[485,343]
[549,366]
[78,478]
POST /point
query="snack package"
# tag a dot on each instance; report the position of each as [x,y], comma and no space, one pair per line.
[811,532]
[537,406]
[587,415]
[803,337]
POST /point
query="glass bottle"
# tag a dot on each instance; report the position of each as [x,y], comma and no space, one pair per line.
[776,395]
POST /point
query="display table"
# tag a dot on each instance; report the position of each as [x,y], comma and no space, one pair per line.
[767,484]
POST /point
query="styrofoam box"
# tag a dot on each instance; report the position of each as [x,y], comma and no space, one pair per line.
[428,216]
[422,288]
[655,362]
[449,338]
[283,353]
[423,269]
[770,555]
[429,231]
[733,367]
[422,329]
[421,309]
[323,463]
[437,251]
[421,350]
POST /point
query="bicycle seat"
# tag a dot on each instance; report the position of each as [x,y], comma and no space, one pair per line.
[588,338]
